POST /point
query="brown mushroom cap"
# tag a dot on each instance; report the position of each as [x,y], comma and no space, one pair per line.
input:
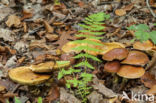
[147,45]
[109,46]
[117,53]
[136,58]
[24,75]
[112,66]
[131,72]
[61,64]
[42,67]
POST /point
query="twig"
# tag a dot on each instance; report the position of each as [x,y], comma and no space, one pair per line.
[147,3]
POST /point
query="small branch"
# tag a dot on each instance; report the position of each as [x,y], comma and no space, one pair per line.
[147,3]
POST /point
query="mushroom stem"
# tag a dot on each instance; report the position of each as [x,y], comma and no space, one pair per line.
[124,82]
[115,80]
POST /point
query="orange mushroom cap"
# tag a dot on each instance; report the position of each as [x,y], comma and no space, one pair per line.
[112,66]
[131,72]
[24,75]
[117,53]
[147,45]
[136,58]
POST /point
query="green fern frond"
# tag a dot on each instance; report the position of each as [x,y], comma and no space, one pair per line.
[85,63]
[88,36]
[80,48]
[87,41]
[81,55]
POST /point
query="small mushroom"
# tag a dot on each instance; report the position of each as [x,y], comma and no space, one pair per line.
[42,67]
[147,45]
[117,53]
[131,72]
[112,67]
[68,57]
[109,46]
[23,75]
[136,58]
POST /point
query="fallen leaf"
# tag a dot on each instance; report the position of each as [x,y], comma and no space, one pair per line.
[152,90]
[51,37]
[67,97]
[128,7]
[148,80]
[65,36]
[53,94]
[6,35]
[13,20]
[102,89]
[95,97]
[49,28]
[120,12]
[11,62]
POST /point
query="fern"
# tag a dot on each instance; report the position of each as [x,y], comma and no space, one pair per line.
[93,29]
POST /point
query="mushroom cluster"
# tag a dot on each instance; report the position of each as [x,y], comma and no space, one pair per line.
[35,74]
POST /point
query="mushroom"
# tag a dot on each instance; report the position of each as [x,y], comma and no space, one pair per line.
[136,58]
[146,45]
[109,46]
[112,67]
[23,75]
[117,53]
[131,72]
[42,67]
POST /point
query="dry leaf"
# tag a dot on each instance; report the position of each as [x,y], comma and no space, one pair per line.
[51,37]
[128,7]
[67,98]
[49,29]
[120,12]
[148,80]
[53,94]
[65,36]
[152,90]
[13,20]
[6,35]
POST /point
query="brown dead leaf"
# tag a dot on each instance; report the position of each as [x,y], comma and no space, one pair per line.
[53,94]
[51,37]
[148,80]
[49,29]
[21,60]
[25,27]
[65,36]
[38,44]
[2,49]
[120,12]
[152,90]
[129,7]
[27,13]
[13,20]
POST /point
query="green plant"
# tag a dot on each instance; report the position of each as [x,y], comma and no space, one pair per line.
[143,33]
[93,27]
[16,100]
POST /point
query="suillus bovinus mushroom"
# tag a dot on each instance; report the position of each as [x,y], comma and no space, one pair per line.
[112,67]
[131,72]
[115,54]
[42,67]
[23,75]
[136,58]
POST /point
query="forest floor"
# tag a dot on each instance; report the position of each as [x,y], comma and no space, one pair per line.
[34,31]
